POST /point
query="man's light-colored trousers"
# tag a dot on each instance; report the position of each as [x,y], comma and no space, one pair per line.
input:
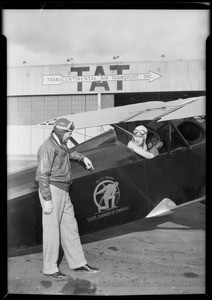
[61,225]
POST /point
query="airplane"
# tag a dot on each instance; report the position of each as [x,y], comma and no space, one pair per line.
[123,187]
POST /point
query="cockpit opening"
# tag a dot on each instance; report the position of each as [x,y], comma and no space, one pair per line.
[190,131]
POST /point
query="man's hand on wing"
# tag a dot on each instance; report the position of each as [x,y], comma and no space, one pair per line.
[88,163]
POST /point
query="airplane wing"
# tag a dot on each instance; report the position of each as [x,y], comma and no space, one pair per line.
[151,110]
[193,108]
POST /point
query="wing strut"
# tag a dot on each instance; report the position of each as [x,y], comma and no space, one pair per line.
[181,136]
[123,130]
[169,137]
[170,125]
[73,141]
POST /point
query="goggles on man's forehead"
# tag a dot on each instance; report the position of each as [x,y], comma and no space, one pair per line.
[139,132]
[69,127]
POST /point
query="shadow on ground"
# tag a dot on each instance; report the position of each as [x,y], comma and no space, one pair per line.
[186,217]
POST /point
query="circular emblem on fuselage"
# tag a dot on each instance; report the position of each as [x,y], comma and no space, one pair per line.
[106,195]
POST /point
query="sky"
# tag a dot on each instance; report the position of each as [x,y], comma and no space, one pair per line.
[48,37]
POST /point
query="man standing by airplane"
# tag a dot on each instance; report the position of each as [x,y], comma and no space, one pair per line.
[59,223]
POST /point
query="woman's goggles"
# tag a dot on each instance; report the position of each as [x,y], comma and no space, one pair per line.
[139,132]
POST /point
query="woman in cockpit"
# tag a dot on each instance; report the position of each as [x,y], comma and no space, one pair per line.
[139,143]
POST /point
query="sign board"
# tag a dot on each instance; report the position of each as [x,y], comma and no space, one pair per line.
[107,78]
[99,79]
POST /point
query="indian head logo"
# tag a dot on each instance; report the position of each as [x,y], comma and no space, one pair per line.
[106,194]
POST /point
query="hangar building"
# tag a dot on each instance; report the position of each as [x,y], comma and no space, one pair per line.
[39,93]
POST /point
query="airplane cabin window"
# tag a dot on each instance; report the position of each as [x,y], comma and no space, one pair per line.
[190,131]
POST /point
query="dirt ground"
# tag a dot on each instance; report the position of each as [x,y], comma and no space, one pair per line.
[157,256]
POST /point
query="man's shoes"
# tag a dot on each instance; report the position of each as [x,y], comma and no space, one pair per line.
[87,268]
[58,275]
